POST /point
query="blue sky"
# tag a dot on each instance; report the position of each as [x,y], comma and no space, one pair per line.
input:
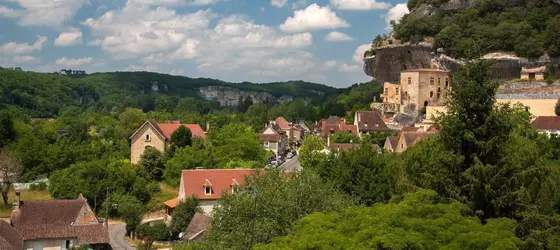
[233,40]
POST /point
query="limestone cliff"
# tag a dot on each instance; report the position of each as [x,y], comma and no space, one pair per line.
[230,96]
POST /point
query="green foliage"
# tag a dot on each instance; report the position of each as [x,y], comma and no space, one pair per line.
[237,142]
[152,162]
[182,215]
[38,186]
[268,204]
[7,132]
[345,137]
[131,211]
[181,137]
[186,158]
[415,223]
[527,28]
[154,231]
[557,108]
[310,155]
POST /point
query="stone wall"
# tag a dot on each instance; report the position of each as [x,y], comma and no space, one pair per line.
[138,143]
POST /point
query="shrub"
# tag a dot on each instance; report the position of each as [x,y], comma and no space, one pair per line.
[158,231]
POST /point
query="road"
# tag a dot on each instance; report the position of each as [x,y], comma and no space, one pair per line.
[116,233]
[291,164]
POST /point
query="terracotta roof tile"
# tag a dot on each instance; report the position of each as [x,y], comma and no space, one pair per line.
[220,179]
[282,123]
[269,137]
[166,129]
[547,123]
[199,224]
[173,202]
[9,237]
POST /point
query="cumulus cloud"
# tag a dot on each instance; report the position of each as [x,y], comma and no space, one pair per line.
[359,52]
[8,12]
[49,13]
[69,38]
[349,68]
[72,62]
[359,4]
[314,17]
[23,48]
[25,59]
[337,36]
[151,68]
[278,3]
[330,64]
[396,13]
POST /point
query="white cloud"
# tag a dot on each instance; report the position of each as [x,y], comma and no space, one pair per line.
[151,68]
[330,64]
[278,3]
[359,4]
[23,48]
[176,2]
[25,59]
[396,13]
[298,4]
[349,68]
[359,52]
[73,62]
[313,17]
[11,13]
[49,13]
[69,38]
[338,36]
[176,72]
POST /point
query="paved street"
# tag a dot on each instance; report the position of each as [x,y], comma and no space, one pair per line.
[116,233]
[291,164]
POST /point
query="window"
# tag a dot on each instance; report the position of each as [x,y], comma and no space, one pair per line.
[148,138]
[431,94]
[386,91]
[266,144]
[402,146]
[439,81]
[68,244]
[365,124]
[446,82]
[438,93]
[377,125]
[397,90]
[234,189]
[207,190]
[432,80]
[410,80]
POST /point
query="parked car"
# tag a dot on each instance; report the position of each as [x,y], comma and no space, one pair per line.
[274,163]
[290,155]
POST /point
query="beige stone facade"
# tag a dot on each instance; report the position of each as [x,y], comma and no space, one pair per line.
[391,93]
[55,244]
[424,87]
[147,136]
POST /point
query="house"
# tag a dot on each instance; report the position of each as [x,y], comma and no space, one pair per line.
[407,139]
[334,125]
[207,185]
[10,238]
[197,229]
[57,224]
[158,136]
[285,126]
[369,121]
[391,143]
[547,124]
[533,74]
[274,139]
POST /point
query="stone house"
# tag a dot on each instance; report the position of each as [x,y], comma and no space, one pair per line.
[369,121]
[424,87]
[207,185]
[533,74]
[334,125]
[407,139]
[274,139]
[285,126]
[158,136]
[57,224]
[391,143]
[547,124]
[391,93]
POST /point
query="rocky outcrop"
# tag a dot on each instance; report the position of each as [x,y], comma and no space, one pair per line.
[231,96]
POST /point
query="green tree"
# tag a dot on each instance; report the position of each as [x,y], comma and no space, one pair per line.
[186,158]
[7,132]
[132,118]
[164,103]
[310,155]
[157,231]
[345,137]
[182,215]
[182,137]
[267,205]
[236,141]
[417,222]
[152,162]
[557,108]
[131,211]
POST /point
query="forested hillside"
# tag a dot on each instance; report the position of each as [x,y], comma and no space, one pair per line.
[46,95]
[530,28]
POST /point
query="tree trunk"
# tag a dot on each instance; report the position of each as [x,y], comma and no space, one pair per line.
[5,198]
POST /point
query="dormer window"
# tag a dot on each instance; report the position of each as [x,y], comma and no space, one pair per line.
[234,186]
[148,138]
[365,124]
[377,125]
[207,187]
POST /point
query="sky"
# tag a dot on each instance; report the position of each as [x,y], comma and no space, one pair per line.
[259,41]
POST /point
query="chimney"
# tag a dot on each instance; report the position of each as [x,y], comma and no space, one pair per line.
[17,202]
[207,126]
[328,140]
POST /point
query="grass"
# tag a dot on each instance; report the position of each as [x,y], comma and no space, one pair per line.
[26,195]
[166,193]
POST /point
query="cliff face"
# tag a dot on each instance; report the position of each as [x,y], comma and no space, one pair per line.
[230,96]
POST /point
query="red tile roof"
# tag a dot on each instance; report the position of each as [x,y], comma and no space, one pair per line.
[409,129]
[57,219]
[269,137]
[9,237]
[173,202]
[220,180]
[335,125]
[282,123]
[547,123]
[166,129]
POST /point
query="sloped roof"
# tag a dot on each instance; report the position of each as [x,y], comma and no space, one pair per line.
[534,70]
[547,123]
[371,121]
[220,179]
[199,224]
[278,132]
[282,123]
[166,129]
[9,237]
[56,219]
[409,129]
[173,202]
[414,137]
[393,140]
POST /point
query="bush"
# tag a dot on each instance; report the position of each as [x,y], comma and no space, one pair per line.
[41,186]
[158,232]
